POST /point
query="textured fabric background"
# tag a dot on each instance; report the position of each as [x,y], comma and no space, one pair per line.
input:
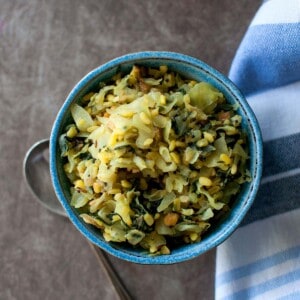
[261,260]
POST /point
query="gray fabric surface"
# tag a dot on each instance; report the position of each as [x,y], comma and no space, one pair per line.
[45,48]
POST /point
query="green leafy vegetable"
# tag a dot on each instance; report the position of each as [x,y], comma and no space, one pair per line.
[154,159]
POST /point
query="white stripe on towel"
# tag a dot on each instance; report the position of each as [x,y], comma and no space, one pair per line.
[277,111]
[273,12]
[261,277]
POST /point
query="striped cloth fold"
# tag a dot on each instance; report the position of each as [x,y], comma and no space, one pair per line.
[261,260]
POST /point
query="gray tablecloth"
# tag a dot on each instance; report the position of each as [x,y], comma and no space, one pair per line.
[45,48]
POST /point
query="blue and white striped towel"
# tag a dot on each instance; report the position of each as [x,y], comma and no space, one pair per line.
[261,260]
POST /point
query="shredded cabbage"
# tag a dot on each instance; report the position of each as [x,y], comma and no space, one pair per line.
[154,159]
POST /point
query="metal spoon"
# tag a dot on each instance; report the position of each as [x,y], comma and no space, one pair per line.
[37,175]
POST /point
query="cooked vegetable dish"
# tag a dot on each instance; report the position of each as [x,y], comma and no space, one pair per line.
[154,159]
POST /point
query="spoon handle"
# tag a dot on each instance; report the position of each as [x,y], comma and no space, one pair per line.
[110,272]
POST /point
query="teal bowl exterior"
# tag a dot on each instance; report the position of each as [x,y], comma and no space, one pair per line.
[188,67]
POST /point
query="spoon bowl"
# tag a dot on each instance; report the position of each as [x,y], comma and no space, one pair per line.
[37,175]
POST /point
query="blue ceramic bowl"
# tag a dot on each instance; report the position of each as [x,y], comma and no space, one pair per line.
[188,67]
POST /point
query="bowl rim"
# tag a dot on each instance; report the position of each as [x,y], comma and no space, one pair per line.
[227,227]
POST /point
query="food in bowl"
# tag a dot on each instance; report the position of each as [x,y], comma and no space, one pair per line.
[154,159]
